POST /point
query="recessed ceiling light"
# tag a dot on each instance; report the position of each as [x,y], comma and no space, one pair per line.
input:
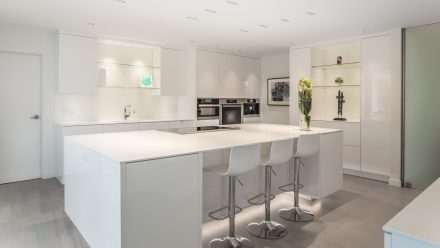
[284,20]
[232,3]
[244,31]
[192,41]
[120,1]
[192,18]
[91,24]
[210,11]
[310,13]
[263,26]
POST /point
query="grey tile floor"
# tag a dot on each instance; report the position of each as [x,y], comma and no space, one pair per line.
[31,215]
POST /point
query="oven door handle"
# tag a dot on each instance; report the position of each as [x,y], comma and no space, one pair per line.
[208,105]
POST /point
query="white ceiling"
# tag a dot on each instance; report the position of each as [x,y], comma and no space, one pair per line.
[166,22]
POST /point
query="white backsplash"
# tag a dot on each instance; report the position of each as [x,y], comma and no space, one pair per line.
[108,104]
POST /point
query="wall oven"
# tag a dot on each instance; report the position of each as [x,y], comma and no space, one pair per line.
[251,108]
[208,108]
[231,111]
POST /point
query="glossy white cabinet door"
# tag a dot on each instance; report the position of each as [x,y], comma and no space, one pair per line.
[232,73]
[252,78]
[153,126]
[124,127]
[173,80]
[154,208]
[181,124]
[208,76]
[77,58]
[376,111]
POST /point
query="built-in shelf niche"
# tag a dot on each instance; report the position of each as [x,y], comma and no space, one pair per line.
[325,70]
[123,65]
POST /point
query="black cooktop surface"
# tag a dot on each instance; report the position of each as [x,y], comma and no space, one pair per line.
[192,130]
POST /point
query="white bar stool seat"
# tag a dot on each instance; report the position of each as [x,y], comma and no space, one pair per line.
[307,145]
[280,153]
[243,159]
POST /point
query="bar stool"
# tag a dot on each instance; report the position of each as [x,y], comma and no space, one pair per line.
[307,146]
[280,152]
[242,159]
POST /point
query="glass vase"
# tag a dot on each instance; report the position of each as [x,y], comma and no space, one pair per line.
[305,123]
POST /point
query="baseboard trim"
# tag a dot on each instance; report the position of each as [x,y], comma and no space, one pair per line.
[395,182]
[368,175]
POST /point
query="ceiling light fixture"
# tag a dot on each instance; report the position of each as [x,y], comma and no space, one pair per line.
[244,31]
[192,18]
[284,20]
[232,3]
[120,1]
[310,13]
[210,11]
[263,26]
[91,24]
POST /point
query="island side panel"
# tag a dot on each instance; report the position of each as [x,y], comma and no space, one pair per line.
[162,197]
[322,173]
[93,195]
[331,163]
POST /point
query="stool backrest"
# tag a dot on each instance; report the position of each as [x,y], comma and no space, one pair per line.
[243,159]
[281,151]
[307,145]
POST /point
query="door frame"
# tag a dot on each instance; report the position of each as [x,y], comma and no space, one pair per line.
[42,117]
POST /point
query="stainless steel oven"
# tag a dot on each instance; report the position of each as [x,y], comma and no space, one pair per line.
[231,111]
[208,108]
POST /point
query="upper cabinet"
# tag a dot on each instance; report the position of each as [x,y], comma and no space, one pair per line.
[77,56]
[174,72]
[227,76]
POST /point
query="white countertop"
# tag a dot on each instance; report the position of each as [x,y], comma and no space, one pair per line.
[145,145]
[108,122]
[421,218]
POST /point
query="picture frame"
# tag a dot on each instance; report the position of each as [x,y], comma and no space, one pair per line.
[278,91]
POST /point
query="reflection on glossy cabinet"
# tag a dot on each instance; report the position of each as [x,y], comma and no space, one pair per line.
[376,106]
[208,75]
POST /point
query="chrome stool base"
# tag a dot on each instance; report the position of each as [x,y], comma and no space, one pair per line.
[267,230]
[231,242]
[296,214]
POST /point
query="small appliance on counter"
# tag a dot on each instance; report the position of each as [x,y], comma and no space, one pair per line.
[251,108]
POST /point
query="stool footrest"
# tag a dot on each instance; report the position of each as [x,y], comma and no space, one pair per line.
[289,187]
[213,214]
[253,202]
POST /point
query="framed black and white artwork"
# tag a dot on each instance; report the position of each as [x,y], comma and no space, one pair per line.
[278,91]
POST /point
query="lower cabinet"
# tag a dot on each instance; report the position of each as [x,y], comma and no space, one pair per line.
[352,141]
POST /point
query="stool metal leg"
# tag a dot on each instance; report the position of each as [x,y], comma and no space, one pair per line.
[267,229]
[232,240]
[296,214]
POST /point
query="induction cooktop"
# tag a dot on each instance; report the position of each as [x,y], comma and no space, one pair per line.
[203,129]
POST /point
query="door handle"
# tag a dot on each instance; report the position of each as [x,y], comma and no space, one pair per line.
[35,117]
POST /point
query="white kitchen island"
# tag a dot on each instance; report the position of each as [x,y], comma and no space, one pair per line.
[144,189]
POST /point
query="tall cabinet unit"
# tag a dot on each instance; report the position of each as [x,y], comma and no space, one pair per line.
[376,112]
[371,71]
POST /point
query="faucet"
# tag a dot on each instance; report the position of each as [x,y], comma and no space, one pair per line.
[127,112]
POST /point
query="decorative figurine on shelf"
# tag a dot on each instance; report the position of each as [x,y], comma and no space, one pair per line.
[339,60]
[341,102]
[339,80]
[305,102]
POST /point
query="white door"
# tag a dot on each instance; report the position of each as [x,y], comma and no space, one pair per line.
[20,77]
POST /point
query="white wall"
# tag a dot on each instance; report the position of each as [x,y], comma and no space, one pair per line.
[273,66]
[18,39]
